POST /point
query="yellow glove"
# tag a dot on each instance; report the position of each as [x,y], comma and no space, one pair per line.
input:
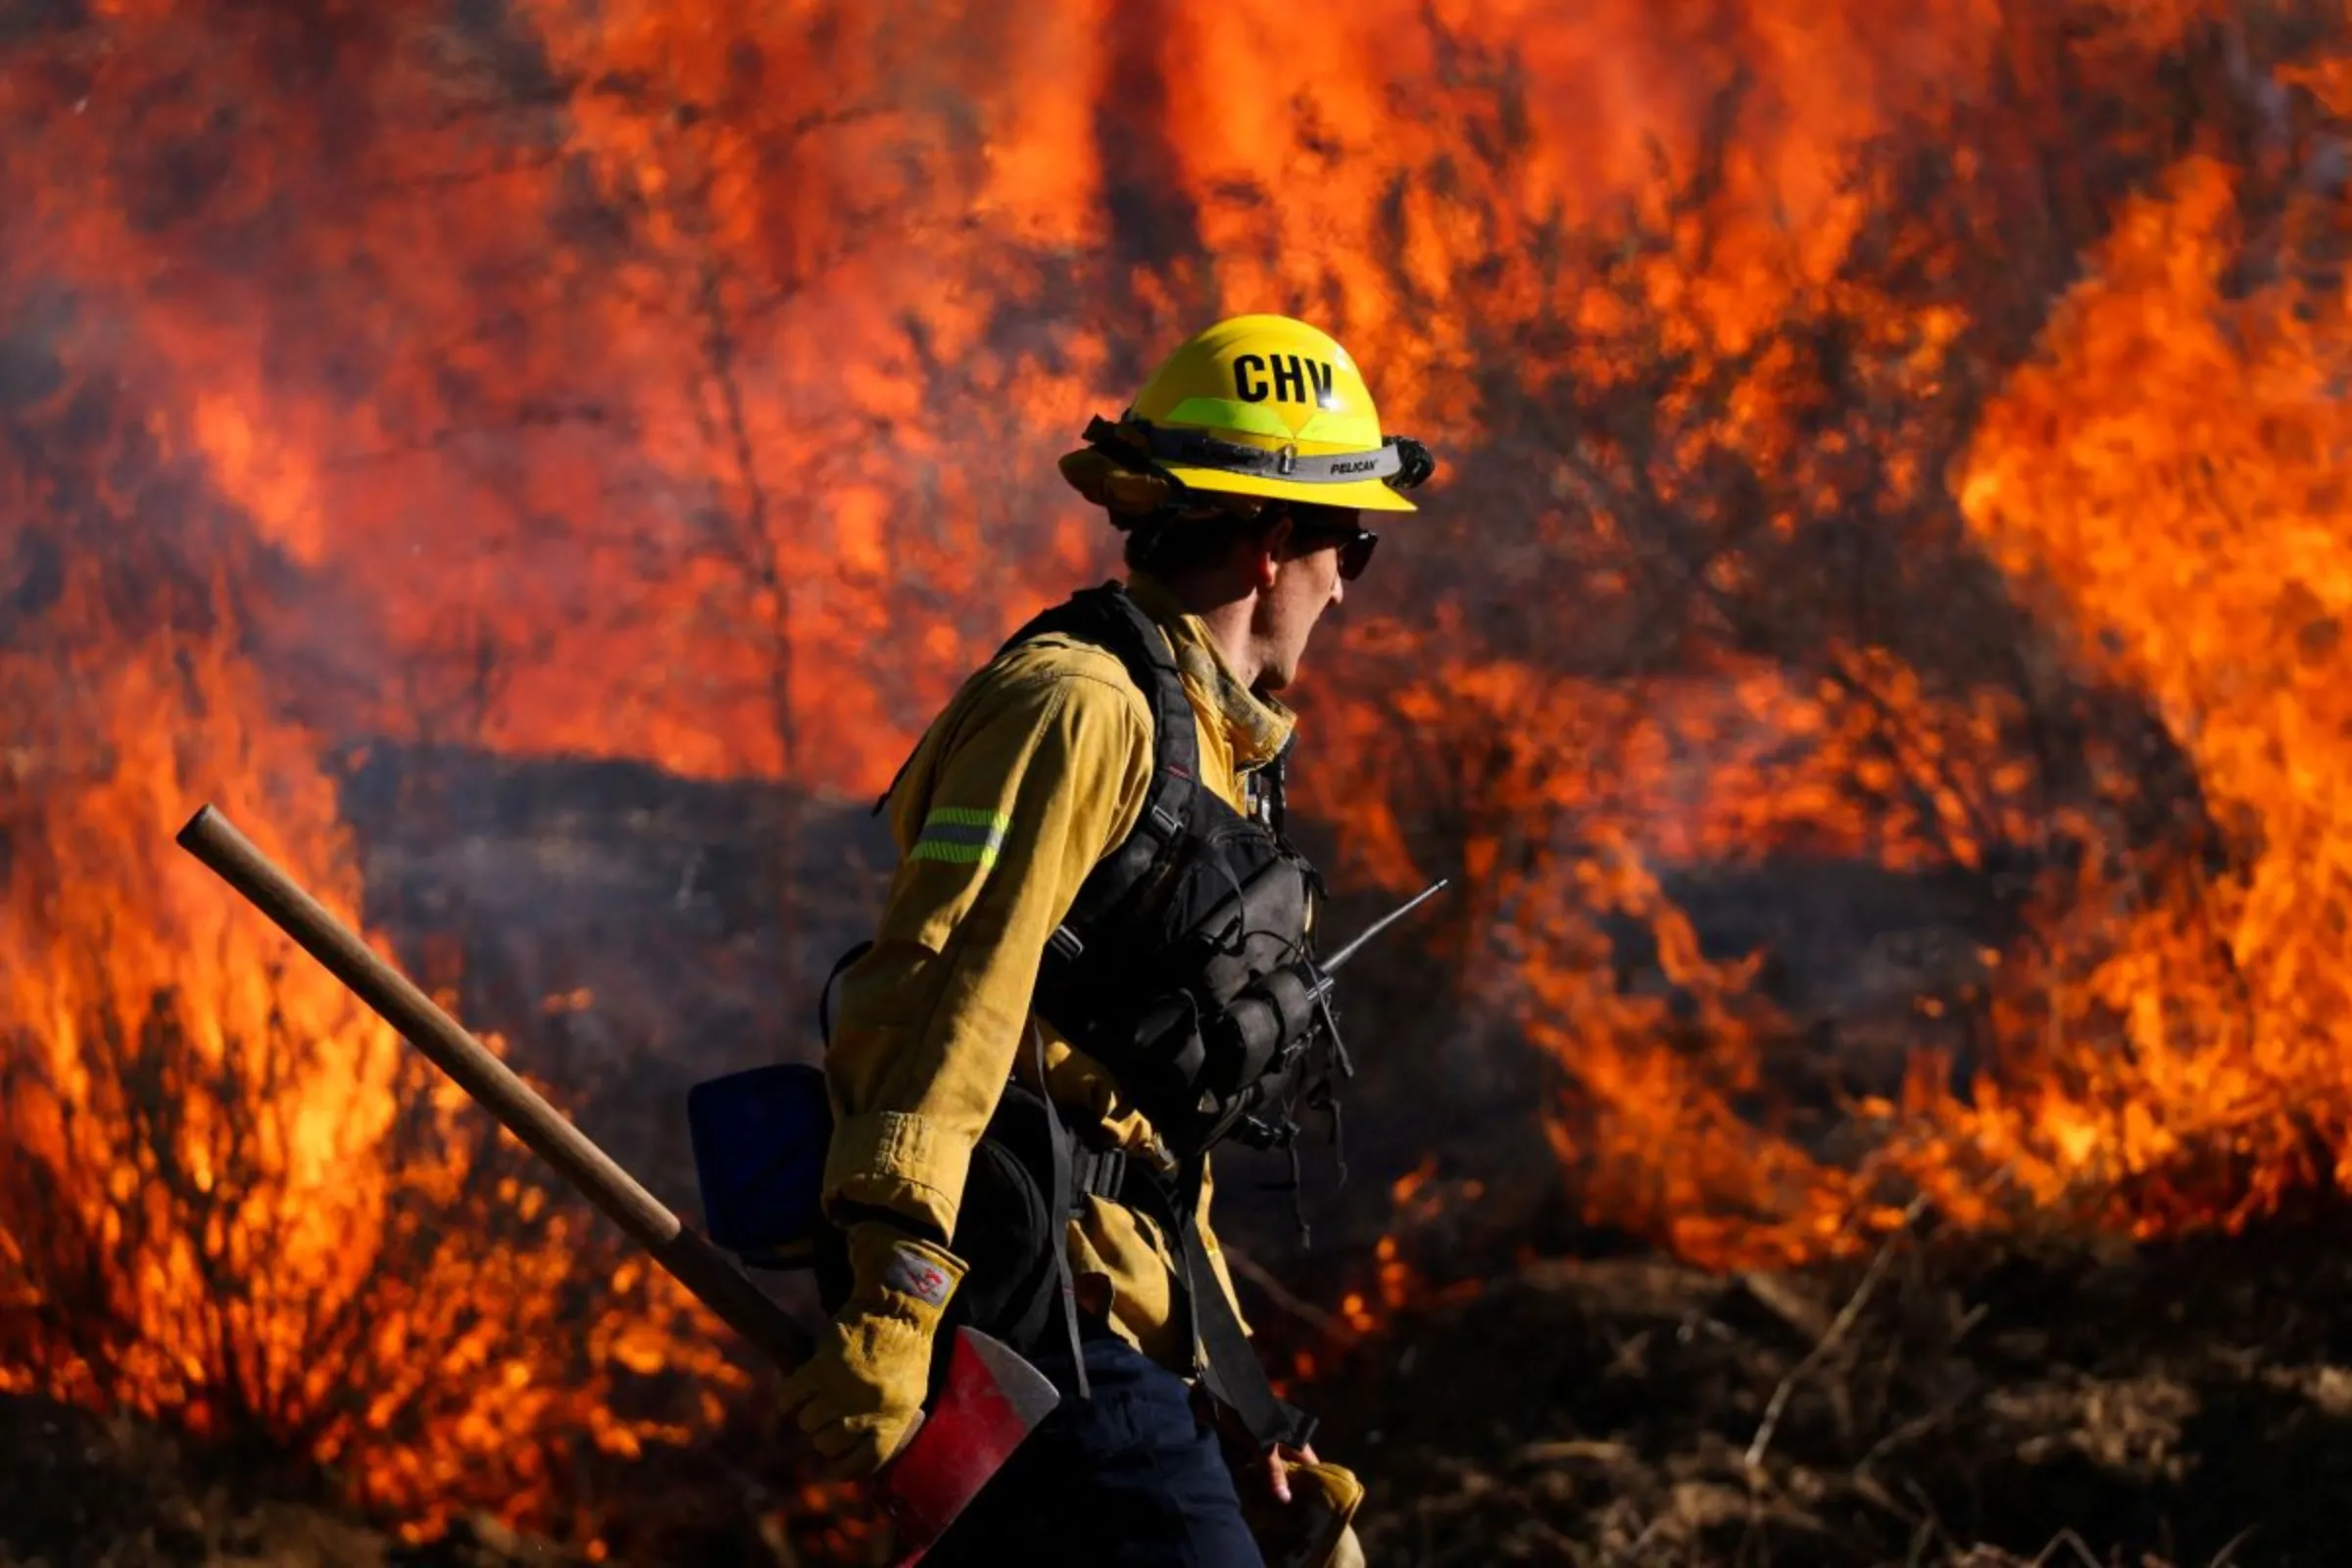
[860,1394]
[1314,1529]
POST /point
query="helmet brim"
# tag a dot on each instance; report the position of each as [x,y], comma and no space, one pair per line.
[1362,495]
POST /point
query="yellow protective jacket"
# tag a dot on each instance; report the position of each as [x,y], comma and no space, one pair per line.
[1035,771]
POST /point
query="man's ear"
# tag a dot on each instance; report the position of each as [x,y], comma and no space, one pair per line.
[1266,564]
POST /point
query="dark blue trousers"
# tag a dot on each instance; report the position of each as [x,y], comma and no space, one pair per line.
[1128,1479]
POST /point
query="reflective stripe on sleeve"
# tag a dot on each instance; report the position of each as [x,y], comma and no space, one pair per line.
[960,835]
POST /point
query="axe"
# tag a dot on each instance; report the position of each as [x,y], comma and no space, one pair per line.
[992,1398]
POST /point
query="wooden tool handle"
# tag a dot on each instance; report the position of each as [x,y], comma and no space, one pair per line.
[696,1264]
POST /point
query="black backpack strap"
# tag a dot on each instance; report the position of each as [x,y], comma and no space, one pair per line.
[1109,619]
[824,996]
[1230,1370]
[1175,767]
[1224,1359]
[1060,1201]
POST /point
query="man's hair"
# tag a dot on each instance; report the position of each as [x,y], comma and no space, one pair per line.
[1177,541]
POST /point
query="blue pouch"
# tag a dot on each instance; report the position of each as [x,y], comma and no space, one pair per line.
[759,1160]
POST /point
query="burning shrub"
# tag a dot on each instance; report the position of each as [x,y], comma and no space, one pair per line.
[2081,698]
[231,1197]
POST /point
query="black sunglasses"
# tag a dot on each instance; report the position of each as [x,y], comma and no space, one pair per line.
[1355,543]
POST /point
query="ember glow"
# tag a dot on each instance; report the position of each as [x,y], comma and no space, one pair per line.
[1888,440]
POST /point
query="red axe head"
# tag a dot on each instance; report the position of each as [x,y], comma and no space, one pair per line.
[992,1400]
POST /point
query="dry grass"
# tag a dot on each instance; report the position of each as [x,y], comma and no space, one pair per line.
[1954,1405]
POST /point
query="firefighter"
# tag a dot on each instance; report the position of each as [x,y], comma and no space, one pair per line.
[1027,1063]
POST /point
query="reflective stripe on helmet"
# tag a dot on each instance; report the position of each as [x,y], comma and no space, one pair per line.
[1201,450]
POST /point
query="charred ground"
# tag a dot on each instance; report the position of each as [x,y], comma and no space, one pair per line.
[2189,1404]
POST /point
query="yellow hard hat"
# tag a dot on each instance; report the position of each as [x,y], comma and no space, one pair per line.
[1259,405]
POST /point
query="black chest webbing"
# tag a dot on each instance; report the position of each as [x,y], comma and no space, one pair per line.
[1178,966]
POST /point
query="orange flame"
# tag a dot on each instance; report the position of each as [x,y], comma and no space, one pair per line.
[681,384]
[2159,1050]
[238,1201]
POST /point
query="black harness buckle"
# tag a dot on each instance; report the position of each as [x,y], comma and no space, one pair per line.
[1098,1173]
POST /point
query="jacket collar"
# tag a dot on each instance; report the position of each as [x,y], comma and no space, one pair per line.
[1255,727]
